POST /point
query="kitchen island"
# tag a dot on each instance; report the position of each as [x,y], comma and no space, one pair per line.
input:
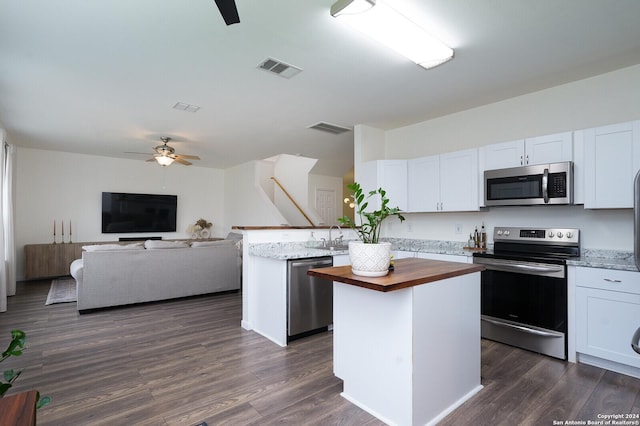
[407,345]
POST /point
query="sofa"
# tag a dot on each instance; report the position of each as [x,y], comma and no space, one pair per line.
[122,274]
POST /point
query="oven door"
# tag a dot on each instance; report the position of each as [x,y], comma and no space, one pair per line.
[525,304]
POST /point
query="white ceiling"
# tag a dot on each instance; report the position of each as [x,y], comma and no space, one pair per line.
[101,77]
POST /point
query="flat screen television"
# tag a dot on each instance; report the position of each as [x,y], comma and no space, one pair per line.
[127,213]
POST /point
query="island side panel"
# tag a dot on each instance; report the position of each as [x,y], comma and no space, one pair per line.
[373,350]
[446,320]
[267,299]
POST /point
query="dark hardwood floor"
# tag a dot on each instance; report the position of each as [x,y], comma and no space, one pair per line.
[187,361]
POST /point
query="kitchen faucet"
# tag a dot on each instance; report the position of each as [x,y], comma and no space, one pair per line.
[339,239]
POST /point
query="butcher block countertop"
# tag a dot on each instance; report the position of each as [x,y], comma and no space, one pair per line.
[407,273]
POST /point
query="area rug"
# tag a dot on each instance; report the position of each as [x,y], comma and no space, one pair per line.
[62,290]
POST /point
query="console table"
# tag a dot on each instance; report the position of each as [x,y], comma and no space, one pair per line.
[50,260]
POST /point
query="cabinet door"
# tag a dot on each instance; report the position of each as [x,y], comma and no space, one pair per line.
[605,323]
[611,159]
[393,179]
[423,184]
[459,181]
[390,175]
[548,149]
[503,155]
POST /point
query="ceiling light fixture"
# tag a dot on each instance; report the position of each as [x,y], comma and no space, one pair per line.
[164,160]
[394,30]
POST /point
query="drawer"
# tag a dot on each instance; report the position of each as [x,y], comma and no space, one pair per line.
[608,279]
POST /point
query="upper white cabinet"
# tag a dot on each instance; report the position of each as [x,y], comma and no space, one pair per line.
[446,182]
[539,150]
[390,175]
[611,161]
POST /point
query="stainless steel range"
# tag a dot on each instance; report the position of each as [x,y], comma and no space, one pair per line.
[524,288]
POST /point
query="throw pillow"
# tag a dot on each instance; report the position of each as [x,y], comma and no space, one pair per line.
[110,247]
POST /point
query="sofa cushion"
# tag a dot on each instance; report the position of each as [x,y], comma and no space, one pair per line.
[212,243]
[158,244]
[110,247]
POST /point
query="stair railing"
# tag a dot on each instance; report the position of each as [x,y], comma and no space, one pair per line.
[297,206]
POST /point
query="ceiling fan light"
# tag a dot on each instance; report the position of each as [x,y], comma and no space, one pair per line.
[163,160]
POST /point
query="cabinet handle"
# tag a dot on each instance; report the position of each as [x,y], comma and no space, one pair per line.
[527,159]
[521,163]
[609,280]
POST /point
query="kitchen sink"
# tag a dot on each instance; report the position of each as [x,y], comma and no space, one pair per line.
[333,247]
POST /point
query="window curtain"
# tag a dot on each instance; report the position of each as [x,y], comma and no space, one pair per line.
[7,242]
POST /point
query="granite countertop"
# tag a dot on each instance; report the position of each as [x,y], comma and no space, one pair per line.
[290,250]
[606,259]
[299,250]
[591,258]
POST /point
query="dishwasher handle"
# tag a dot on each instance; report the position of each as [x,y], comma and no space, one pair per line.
[312,262]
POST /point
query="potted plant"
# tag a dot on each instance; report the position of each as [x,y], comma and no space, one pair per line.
[369,257]
[15,348]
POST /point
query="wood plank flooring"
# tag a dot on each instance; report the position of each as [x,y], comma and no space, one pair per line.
[187,361]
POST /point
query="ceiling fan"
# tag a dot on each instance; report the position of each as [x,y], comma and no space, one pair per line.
[165,154]
[228,11]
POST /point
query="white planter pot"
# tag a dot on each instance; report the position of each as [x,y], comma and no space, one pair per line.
[369,260]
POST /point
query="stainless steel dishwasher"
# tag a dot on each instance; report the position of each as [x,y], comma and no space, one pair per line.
[309,299]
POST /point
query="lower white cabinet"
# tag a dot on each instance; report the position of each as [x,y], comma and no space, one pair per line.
[607,315]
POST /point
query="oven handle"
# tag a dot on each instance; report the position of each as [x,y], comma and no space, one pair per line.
[527,268]
[523,328]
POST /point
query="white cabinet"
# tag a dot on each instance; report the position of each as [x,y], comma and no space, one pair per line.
[446,182]
[423,184]
[390,175]
[607,315]
[611,161]
[538,150]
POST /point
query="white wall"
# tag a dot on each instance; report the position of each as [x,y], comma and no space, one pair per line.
[609,98]
[63,186]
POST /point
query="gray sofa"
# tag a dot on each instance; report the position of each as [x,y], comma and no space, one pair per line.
[113,276]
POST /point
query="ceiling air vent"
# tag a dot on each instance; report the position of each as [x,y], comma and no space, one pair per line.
[279,68]
[329,128]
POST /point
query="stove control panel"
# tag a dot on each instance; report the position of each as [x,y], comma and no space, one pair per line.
[570,236]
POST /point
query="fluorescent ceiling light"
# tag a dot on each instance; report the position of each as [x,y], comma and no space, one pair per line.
[164,160]
[394,30]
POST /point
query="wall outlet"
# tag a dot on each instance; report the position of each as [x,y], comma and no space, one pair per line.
[458,229]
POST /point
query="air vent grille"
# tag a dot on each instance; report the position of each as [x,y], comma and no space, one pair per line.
[329,128]
[279,68]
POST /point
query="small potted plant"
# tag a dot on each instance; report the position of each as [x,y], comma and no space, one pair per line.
[15,348]
[369,257]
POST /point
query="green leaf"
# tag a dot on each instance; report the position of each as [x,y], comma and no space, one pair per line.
[42,401]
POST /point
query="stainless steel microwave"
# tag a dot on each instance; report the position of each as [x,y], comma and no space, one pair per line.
[529,185]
